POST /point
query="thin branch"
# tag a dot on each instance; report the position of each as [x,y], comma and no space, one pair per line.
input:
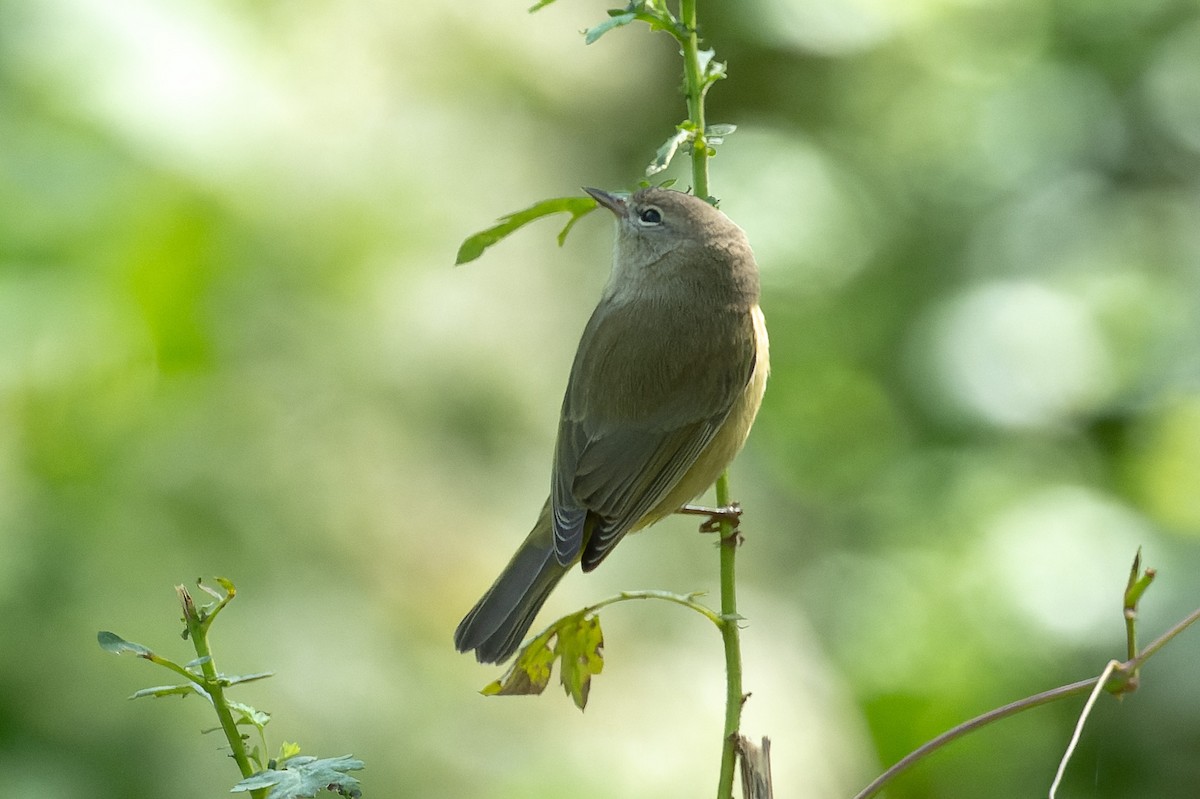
[1164,639]
[1011,709]
[687,600]
[198,623]
[1101,681]
[1117,678]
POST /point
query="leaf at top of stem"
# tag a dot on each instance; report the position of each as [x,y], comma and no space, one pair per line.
[1139,581]
[111,642]
[245,714]
[474,246]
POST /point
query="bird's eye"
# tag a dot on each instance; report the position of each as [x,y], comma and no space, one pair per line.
[650,216]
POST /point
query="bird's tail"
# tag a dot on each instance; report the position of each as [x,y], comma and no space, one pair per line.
[495,626]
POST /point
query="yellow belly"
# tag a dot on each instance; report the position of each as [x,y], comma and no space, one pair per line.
[729,439]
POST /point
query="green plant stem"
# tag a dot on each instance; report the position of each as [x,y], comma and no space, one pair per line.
[1139,581]
[688,601]
[175,667]
[730,632]
[731,636]
[197,628]
[694,83]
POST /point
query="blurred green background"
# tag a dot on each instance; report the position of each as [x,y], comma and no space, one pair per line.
[232,343]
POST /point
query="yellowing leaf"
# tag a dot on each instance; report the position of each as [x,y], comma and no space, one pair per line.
[579,647]
[530,672]
[576,640]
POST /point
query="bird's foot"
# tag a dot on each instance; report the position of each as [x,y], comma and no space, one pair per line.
[731,513]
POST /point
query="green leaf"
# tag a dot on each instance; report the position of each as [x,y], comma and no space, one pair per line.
[287,750]
[237,679]
[212,592]
[474,246]
[111,642]
[662,158]
[655,14]
[304,776]
[159,691]
[580,647]
[666,184]
[244,714]
[561,238]
[711,70]
[656,7]
[715,134]
[616,21]
[539,5]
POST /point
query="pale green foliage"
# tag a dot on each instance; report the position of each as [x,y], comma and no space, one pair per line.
[577,207]
[305,776]
[111,642]
[287,775]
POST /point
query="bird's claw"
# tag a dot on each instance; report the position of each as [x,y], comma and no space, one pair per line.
[730,514]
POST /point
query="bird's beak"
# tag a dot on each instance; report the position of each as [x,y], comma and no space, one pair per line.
[610,201]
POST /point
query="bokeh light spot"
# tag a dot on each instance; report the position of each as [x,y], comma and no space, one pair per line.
[1019,354]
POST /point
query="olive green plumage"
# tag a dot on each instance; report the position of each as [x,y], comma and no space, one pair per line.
[667,379]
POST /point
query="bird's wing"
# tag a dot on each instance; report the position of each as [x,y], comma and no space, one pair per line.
[639,409]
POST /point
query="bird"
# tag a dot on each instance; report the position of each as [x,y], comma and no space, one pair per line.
[666,382]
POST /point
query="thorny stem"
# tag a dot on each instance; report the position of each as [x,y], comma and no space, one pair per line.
[730,633]
[198,622]
[694,87]
[731,636]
